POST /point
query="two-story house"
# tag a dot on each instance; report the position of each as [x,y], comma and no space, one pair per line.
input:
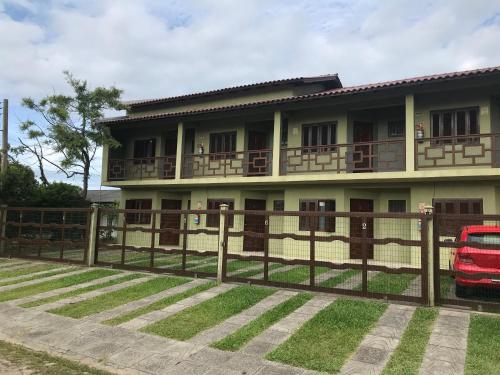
[311,144]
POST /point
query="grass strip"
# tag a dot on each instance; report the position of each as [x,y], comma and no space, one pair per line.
[296,275]
[231,266]
[445,285]
[187,323]
[326,341]
[407,358]
[87,289]
[236,340]
[388,283]
[27,270]
[158,305]
[63,282]
[36,277]
[29,361]
[250,273]
[483,349]
[340,278]
[118,297]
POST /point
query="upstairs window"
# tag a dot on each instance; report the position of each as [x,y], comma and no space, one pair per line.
[223,145]
[214,204]
[144,148]
[323,134]
[138,217]
[320,223]
[396,129]
[397,205]
[455,123]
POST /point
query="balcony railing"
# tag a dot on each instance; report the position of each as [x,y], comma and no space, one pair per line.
[239,163]
[162,167]
[379,156]
[458,151]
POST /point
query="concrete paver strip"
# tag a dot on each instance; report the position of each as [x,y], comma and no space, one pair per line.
[14,263]
[378,345]
[282,330]
[355,281]
[239,320]
[20,277]
[415,288]
[146,319]
[120,310]
[323,276]
[37,281]
[447,348]
[246,269]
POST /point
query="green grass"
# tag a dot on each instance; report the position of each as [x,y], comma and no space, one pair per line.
[158,305]
[231,266]
[243,335]
[445,285]
[195,319]
[87,289]
[407,358]
[36,277]
[387,283]
[326,341]
[27,270]
[247,274]
[34,362]
[63,282]
[296,275]
[340,278]
[119,297]
[483,349]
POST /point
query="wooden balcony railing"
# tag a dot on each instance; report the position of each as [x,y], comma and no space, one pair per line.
[458,151]
[379,156]
[239,163]
[162,167]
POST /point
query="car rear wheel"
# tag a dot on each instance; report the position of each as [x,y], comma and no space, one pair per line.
[463,291]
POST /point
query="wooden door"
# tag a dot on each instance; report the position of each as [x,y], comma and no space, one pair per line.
[362,132]
[257,161]
[170,220]
[356,230]
[254,223]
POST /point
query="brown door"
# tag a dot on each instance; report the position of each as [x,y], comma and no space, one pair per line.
[362,132]
[254,223]
[257,161]
[356,227]
[170,220]
[168,163]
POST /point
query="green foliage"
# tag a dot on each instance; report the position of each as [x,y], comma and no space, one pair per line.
[60,194]
[18,185]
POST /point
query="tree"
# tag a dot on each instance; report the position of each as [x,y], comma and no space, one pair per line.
[18,185]
[68,128]
[60,194]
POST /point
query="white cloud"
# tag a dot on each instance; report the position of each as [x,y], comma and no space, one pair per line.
[160,48]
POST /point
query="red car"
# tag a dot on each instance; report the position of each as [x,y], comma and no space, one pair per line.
[472,260]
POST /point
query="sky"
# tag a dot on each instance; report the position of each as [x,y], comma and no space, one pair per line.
[158,48]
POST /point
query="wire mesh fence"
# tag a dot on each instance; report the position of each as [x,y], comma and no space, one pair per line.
[58,234]
[467,261]
[363,254]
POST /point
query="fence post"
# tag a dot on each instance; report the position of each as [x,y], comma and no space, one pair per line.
[3,224]
[430,253]
[93,233]
[222,245]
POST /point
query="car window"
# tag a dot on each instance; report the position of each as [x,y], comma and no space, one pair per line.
[487,238]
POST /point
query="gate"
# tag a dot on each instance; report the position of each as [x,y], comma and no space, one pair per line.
[467,266]
[55,234]
[377,255]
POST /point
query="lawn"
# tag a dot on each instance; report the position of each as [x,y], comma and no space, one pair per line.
[36,277]
[247,274]
[118,297]
[87,289]
[483,350]
[231,266]
[189,322]
[27,270]
[158,305]
[296,275]
[63,282]
[407,358]
[340,278]
[388,283]
[32,362]
[445,285]
[326,341]
[243,335]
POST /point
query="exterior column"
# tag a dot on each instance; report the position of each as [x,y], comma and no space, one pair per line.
[93,234]
[277,143]
[180,146]
[105,163]
[410,132]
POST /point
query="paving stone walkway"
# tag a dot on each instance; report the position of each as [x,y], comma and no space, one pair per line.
[257,267]
[356,280]
[20,277]
[12,264]
[37,281]
[125,308]
[323,276]
[377,347]
[279,332]
[447,348]
[415,288]
[239,320]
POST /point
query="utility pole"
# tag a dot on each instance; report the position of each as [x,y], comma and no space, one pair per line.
[5,135]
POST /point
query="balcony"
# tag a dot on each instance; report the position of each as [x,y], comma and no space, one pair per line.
[379,156]
[162,167]
[240,163]
[458,151]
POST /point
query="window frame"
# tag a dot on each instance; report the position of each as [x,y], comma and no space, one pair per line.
[226,141]
[148,152]
[138,218]
[320,146]
[455,138]
[279,205]
[393,124]
[399,201]
[213,220]
[326,226]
